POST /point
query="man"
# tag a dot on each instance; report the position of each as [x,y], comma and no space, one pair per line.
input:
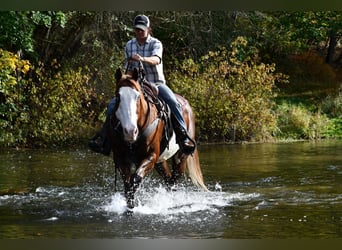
[148,50]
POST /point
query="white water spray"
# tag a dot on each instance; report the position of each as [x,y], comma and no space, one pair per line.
[163,202]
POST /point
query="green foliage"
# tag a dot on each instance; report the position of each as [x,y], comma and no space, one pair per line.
[13,107]
[230,83]
[17,28]
[296,121]
[102,42]
[191,34]
[308,119]
[332,106]
[43,107]
[48,17]
[231,92]
[311,27]
[334,128]
[16,31]
[61,105]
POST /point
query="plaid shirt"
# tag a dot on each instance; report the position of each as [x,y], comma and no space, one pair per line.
[152,47]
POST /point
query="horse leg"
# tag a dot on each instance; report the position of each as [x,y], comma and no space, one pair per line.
[132,181]
[178,167]
[164,171]
[131,187]
[145,167]
[129,195]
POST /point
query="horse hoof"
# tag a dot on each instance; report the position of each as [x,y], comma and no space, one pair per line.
[129,212]
[135,181]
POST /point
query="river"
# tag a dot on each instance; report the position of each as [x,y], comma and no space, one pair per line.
[271,190]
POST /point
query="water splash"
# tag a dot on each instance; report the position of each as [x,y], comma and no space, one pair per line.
[182,201]
[116,205]
[218,187]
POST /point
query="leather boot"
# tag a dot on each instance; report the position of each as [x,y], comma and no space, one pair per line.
[100,143]
[183,139]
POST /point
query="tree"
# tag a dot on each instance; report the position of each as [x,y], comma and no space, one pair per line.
[16,31]
[312,28]
[17,28]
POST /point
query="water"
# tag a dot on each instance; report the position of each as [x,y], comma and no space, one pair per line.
[284,190]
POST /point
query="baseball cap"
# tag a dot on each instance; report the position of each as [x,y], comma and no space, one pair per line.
[141,22]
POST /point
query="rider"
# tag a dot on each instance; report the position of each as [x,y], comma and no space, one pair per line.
[148,50]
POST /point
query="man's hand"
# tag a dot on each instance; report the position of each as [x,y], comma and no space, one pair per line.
[137,58]
[151,60]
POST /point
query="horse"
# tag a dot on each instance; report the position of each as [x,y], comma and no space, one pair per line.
[137,132]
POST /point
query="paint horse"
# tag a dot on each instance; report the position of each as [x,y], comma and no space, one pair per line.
[138,138]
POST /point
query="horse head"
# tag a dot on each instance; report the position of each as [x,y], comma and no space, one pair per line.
[129,96]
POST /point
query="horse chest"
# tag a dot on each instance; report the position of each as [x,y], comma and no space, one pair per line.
[137,152]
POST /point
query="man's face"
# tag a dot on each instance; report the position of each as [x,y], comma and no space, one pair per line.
[141,34]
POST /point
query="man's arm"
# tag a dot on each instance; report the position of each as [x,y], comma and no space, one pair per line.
[152,60]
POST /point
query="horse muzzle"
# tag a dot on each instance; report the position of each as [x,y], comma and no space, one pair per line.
[130,134]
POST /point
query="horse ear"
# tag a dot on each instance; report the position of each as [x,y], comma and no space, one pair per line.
[118,74]
[135,74]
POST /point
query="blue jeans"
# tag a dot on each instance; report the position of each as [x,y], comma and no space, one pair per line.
[168,96]
[111,106]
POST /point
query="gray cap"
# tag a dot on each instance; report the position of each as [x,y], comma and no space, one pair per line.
[141,22]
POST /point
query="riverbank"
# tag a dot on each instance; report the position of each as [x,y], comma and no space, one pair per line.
[298,118]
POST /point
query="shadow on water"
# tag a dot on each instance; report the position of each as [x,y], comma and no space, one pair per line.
[256,191]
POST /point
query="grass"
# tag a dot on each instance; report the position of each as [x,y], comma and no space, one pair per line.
[311,111]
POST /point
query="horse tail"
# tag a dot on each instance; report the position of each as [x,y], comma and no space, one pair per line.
[194,170]
[193,163]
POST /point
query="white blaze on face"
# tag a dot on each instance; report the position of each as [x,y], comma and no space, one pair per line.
[127,113]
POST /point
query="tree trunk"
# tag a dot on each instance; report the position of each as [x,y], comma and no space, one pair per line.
[331,48]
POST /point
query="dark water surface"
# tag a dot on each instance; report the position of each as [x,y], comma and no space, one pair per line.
[283,190]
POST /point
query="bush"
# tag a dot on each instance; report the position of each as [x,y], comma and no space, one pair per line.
[332,105]
[42,107]
[13,106]
[60,106]
[298,122]
[231,92]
